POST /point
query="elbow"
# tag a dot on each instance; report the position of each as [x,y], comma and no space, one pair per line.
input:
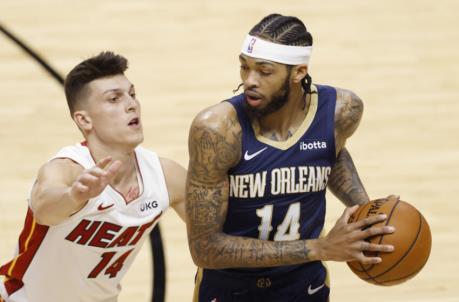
[204,262]
[38,205]
[199,260]
[42,214]
[199,255]
[204,252]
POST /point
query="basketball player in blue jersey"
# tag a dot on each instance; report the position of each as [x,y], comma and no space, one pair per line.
[259,167]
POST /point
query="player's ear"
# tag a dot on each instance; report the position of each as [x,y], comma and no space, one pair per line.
[83,120]
[299,72]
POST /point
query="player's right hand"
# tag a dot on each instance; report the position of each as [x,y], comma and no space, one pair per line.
[346,241]
[93,181]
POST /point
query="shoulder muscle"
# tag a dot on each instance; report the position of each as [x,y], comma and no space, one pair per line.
[215,140]
[348,113]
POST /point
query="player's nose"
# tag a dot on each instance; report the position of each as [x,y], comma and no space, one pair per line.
[132,104]
[252,79]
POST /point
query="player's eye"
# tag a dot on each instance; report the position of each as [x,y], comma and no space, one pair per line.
[265,73]
[113,99]
[244,67]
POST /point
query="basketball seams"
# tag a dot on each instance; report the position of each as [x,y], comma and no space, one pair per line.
[410,275]
[407,251]
[357,215]
[366,271]
[359,263]
[404,261]
[356,218]
[387,221]
[381,238]
[404,278]
[363,269]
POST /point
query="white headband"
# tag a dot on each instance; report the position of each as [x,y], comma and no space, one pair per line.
[285,54]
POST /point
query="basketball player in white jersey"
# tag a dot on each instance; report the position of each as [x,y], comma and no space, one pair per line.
[94,203]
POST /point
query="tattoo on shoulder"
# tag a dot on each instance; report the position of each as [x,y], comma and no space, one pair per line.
[349,110]
[213,151]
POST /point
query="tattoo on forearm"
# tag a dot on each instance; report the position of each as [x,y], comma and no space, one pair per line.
[345,182]
[220,250]
[211,155]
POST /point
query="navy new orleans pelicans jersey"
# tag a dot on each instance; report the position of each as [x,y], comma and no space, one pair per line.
[277,190]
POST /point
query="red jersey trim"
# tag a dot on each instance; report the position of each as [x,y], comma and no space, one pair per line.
[30,239]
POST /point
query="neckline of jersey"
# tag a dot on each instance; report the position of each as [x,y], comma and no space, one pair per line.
[284,145]
[140,181]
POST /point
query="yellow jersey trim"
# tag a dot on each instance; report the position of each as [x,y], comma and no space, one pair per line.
[284,145]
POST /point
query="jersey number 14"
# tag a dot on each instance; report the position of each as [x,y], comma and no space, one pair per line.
[287,230]
[114,267]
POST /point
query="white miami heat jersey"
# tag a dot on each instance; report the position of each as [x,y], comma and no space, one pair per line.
[84,258]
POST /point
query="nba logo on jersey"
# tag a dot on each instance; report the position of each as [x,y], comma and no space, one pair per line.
[250,47]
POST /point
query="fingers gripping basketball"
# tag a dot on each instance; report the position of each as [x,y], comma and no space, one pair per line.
[411,241]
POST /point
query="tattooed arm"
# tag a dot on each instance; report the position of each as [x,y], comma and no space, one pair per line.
[215,147]
[344,180]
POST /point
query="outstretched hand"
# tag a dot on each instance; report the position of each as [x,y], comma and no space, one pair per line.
[94,180]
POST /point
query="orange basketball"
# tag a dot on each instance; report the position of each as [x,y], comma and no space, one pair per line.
[411,240]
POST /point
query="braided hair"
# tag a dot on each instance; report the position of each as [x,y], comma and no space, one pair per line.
[285,30]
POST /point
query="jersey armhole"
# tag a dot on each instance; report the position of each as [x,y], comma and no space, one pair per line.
[155,159]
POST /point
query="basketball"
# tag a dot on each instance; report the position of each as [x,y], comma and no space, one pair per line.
[411,240]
